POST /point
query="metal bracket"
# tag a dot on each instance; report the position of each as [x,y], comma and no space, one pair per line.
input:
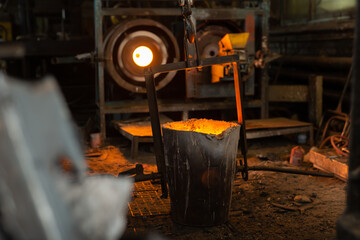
[154,112]
[190,40]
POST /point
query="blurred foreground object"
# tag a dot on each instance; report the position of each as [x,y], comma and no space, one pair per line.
[349,222]
[37,199]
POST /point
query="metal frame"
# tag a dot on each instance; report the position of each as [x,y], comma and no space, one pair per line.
[198,14]
[154,111]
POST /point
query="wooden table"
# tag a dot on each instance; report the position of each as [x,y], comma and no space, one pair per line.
[139,130]
[260,128]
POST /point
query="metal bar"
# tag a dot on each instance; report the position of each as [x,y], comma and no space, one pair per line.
[154,111]
[222,14]
[142,107]
[141,11]
[264,93]
[156,130]
[287,170]
[344,91]
[99,48]
[264,72]
[203,63]
[147,177]
[199,14]
[239,93]
[250,27]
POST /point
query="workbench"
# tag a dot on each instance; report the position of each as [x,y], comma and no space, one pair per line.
[139,130]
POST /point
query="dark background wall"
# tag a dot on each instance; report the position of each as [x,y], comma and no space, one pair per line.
[315,37]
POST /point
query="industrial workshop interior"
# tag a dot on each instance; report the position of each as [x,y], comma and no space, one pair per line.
[179,119]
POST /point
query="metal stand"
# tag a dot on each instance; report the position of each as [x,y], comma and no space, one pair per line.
[154,113]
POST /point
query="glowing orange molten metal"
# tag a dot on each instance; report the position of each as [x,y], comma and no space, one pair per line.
[206,126]
[142,56]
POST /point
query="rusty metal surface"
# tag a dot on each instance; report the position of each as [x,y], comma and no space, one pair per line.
[147,201]
[200,170]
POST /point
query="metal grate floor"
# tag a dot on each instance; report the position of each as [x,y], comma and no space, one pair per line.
[146,200]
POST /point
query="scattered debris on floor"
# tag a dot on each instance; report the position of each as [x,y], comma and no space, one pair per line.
[267,206]
[111,160]
[328,160]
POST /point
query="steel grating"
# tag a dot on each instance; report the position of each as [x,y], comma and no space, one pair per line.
[147,201]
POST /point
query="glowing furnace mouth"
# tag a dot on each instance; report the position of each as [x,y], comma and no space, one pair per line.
[142,56]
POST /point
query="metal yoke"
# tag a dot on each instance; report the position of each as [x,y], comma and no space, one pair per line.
[189,63]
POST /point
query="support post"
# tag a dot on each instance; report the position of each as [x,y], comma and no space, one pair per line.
[99,52]
[156,130]
[239,93]
[264,72]
[264,93]
[315,98]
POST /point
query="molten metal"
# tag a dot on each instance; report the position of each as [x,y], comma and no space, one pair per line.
[206,126]
[142,56]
